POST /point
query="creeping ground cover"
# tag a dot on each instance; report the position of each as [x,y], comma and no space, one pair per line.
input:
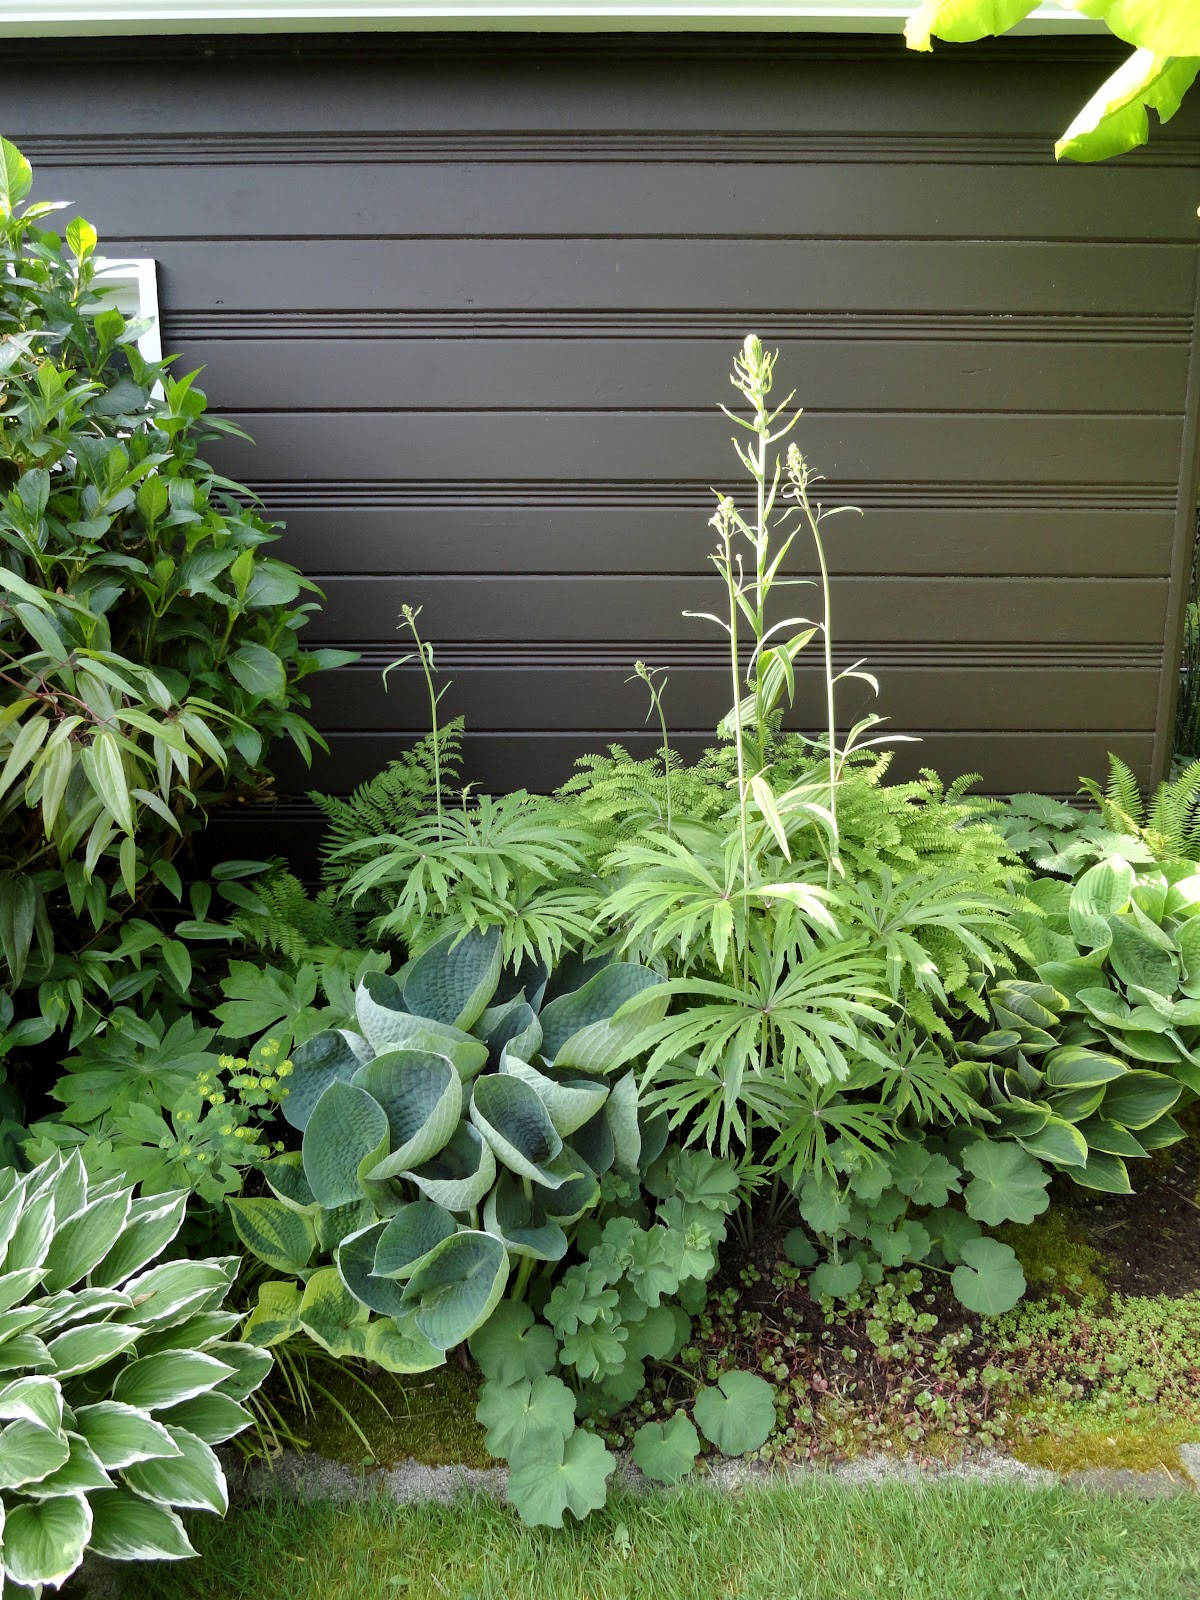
[761,1106]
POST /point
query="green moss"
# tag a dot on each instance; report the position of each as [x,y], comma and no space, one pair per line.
[359,1417]
[1097,1441]
[1055,1256]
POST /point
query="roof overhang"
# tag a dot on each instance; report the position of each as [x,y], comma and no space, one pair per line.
[75,18]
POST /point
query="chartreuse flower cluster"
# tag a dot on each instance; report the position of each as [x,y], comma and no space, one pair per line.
[118,1380]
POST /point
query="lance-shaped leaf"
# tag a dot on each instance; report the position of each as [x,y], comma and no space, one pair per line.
[346,1133]
[84,1239]
[409,1237]
[211,1417]
[35,1399]
[126,1527]
[452,982]
[522,1223]
[511,1117]
[421,1095]
[1139,1098]
[570,1099]
[356,1261]
[1104,1172]
[1100,1134]
[29,1451]
[398,1345]
[1074,1067]
[44,1540]
[82,1473]
[152,1223]
[1116,118]
[460,1174]
[621,1114]
[193,1479]
[324,1059]
[580,1029]
[331,1315]
[457,1287]
[121,1434]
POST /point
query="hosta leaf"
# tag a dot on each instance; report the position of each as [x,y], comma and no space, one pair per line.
[397,1345]
[575,1195]
[1007,1186]
[1101,892]
[510,1412]
[621,1114]
[409,1236]
[569,1099]
[82,1241]
[1166,1131]
[331,1315]
[250,1366]
[579,1030]
[1104,1172]
[192,1479]
[548,1476]
[168,1378]
[324,1059]
[421,1095]
[517,1126]
[738,1414]
[835,1279]
[82,1349]
[82,1473]
[1058,1142]
[990,1279]
[522,1224]
[1110,1137]
[503,1025]
[34,1399]
[666,1452]
[44,1540]
[511,1347]
[276,1315]
[355,1260]
[127,1528]
[339,1222]
[453,982]
[457,1286]
[153,1222]
[120,1434]
[29,1451]
[211,1417]
[1074,1067]
[32,1236]
[274,1232]
[347,1130]
[1139,959]
[1139,1098]
[460,1174]
[1073,1105]
[175,1289]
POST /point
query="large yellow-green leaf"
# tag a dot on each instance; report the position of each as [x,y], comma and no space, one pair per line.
[331,1315]
[276,1315]
[1116,118]
[457,1286]
[347,1132]
[398,1345]
[274,1232]
[1168,27]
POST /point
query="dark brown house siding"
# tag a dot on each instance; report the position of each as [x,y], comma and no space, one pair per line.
[476,303]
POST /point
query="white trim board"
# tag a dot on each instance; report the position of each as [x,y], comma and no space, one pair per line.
[133,282]
[66,18]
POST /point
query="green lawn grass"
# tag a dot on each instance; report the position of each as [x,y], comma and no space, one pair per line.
[820,1541]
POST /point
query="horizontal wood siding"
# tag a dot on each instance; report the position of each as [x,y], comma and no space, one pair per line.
[476,303]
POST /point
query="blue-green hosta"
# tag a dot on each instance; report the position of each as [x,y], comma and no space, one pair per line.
[116,1376]
[467,1124]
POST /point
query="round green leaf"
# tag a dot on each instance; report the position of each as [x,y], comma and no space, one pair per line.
[510,1412]
[799,1248]
[511,1347]
[990,1279]
[738,1415]
[837,1280]
[1007,1186]
[455,1289]
[511,1117]
[666,1451]
[548,1476]
[347,1131]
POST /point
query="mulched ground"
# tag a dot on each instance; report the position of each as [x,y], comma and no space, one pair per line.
[1151,1237]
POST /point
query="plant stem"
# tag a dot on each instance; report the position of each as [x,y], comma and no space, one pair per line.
[425,656]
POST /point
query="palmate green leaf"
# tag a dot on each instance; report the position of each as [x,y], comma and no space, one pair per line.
[44,1540]
[193,1479]
[511,1347]
[121,1434]
[1007,1184]
[421,1095]
[347,1133]
[125,1527]
[990,1279]
[457,1287]
[666,1452]
[548,1476]
[836,1280]
[516,1124]
[738,1414]
[511,1411]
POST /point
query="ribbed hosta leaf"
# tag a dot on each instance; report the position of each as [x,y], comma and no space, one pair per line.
[347,1131]
[176,1289]
[153,1222]
[356,1261]
[621,1114]
[83,1349]
[578,1030]
[505,1024]
[286,1180]
[276,1315]
[421,1095]
[44,1540]
[460,1174]
[249,1367]
[453,982]
[83,1240]
[127,1528]
[578,1194]
[398,1345]
[331,1315]
[523,1224]
[168,1378]
[121,1434]
[457,1286]
[385,1020]
[275,1233]
[324,1059]
[410,1236]
[35,1399]
[570,1099]
[193,1479]
[379,1005]
[211,1417]
[511,1117]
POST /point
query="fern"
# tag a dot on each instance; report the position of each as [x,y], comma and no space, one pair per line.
[619,798]
[1169,825]
[297,925]
[402,793]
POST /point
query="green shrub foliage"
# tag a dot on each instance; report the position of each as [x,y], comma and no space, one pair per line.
[148,643]
[119,1377]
